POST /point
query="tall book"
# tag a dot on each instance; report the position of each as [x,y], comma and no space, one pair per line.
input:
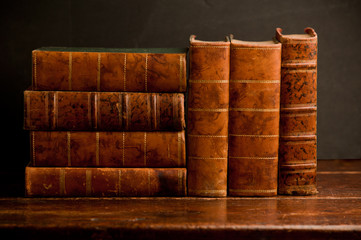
[254,104]
[107,149]
[207,126]
[103,111]
[298,135]
[109,69]
[104,182]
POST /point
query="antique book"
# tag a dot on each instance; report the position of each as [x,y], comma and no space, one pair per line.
[298,118]
[103,111]
[254,105]
[104,182]
[109,69]
[107,149]
[207,124]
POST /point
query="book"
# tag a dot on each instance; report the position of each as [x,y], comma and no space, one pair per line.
[207,125]
[103,111]
[298,118]
[109,69]
[104,182]
[107,149]
[254,105]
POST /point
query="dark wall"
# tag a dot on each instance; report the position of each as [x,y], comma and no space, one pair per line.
[26,25]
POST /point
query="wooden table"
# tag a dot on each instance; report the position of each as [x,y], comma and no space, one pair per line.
[334,213]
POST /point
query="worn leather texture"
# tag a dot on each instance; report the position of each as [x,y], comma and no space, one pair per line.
[103,111]
[108,71]
[207,125]
[107,149]
[298,119]
[254,102]
[104,182]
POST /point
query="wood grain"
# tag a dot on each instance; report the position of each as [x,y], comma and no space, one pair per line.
[333,213]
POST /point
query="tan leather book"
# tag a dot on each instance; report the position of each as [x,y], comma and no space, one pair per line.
[104,182]
[107,149]
[298,134]
[254,104]
[109,69]
[103,111]
[207,126]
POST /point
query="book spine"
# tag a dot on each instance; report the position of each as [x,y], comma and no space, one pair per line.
[298,134]
[254,118]
[207,129]
[104,182]
[103,111]
[107,149]
[109,71]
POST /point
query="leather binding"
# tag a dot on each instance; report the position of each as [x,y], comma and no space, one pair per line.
[207,126]
[107,69]
[254,104]
[104,182]
[107,149]
[298,134]
[103,111]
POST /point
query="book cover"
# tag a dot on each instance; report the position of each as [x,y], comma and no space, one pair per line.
[254,105]
[107,149]
[109,69]
[207,126]
[103,111]
[298,119]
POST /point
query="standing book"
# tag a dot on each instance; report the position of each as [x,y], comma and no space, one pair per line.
[207,126]
[254,93]
[298,134]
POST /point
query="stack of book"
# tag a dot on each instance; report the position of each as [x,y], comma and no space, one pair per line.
[111,122]
[106,122]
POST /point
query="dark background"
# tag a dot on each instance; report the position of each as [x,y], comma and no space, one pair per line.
[26,25]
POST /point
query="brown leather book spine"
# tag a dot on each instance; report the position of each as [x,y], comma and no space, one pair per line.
[298,134]
[208,103]
[109,71]
[104,182]
[107,149]
[103,111]
[254,105]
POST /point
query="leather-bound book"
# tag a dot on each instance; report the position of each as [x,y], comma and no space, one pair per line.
[298,135]
[254,104]
[103,111]
[107,149]
[207,126]
[109,69]
[104,182]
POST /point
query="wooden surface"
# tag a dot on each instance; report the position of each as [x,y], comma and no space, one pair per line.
[333,213]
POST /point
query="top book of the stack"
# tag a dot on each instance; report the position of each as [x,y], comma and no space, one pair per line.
[109,69]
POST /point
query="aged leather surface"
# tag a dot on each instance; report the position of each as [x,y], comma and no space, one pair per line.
[298,120]
[103,111]
[107,149]
[254,101]
[207,125]
[109,71]
[104,182]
